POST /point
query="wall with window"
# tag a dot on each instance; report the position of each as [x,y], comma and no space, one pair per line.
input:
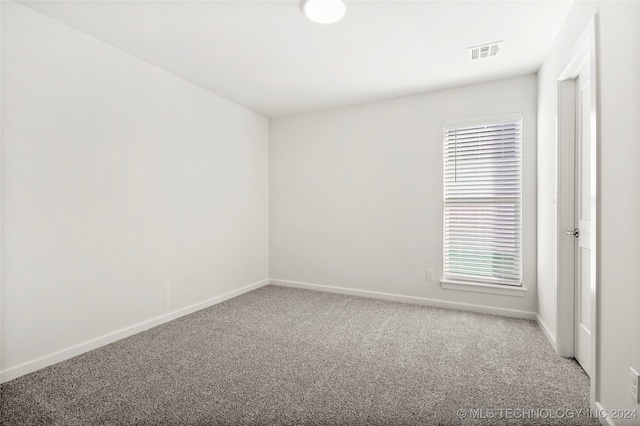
[126,193]
[356,195]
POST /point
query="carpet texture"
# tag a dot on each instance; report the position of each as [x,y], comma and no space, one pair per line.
[287,356]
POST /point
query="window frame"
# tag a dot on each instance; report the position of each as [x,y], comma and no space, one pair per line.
[478,282]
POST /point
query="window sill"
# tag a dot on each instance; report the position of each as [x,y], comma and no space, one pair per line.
[504,290]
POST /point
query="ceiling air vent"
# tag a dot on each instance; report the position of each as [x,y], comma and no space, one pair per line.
[485,51]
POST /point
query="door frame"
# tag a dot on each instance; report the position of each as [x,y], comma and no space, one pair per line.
[582,55]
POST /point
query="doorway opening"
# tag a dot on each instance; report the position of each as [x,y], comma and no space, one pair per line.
[578,205]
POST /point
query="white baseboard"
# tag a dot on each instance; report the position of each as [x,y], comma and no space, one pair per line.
[409,299]
[604,421]
[547,332]
[64,354]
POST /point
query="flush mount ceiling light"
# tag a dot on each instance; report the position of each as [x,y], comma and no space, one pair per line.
[324,11]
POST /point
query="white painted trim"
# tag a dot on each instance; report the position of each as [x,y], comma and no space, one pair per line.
[513,313]
[64,354]
[504,290]
[604,421]
[547,332]
[584,53]
[491,119]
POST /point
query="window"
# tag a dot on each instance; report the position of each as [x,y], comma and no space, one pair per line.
[482,200]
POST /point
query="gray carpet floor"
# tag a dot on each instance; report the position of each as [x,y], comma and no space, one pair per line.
[287,356]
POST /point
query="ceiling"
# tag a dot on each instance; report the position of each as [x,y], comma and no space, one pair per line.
[267,56]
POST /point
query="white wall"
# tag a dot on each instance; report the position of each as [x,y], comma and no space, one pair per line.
[356,193]
[618,44]
[117,177]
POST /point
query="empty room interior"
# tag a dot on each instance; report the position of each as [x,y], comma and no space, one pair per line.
[320,212]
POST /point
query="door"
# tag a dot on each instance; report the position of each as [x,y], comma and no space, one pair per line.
[584,202]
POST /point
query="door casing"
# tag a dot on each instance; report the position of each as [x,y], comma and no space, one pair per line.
[582,55]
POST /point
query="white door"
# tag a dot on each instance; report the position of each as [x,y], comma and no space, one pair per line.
[584,202]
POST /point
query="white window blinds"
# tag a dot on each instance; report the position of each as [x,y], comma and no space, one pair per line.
[482,200]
